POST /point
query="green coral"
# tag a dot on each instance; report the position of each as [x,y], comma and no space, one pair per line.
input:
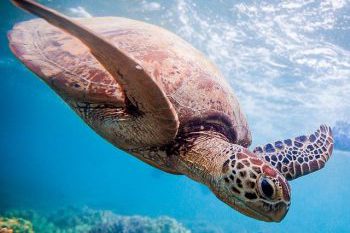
[83,220]
[15,225]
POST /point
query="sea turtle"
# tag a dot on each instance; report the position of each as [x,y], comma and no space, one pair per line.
[153,95]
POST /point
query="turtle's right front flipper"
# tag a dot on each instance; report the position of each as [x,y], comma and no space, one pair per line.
[301,155]
[156,119]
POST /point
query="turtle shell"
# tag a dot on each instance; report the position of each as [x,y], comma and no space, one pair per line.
[200,95]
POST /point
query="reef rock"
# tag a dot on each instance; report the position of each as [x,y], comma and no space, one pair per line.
[15,225]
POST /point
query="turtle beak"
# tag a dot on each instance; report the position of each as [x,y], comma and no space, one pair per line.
[260,210]
[260,213]
[279,215]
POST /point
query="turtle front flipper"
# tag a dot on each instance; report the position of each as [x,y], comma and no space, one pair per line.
[301,155]
[157,121]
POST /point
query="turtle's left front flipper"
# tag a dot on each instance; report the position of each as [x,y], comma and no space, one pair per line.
[301,155]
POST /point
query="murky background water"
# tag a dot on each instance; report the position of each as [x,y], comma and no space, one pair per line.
[289,64]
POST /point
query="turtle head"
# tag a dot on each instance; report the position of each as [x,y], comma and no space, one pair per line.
[252,186]
[235,175]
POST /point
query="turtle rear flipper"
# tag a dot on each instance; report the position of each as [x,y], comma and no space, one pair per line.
[157,120]
[301,155]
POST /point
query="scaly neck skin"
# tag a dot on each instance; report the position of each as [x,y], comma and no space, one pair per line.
[202,155]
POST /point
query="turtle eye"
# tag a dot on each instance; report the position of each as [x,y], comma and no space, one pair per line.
[267,188]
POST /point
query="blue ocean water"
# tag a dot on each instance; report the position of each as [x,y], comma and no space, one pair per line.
[289,64]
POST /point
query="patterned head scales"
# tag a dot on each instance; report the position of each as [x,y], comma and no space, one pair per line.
[253,187]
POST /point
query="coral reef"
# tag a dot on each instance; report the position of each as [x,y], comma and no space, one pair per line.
[39,222]
[83,220]
[15,225]
[139,224]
